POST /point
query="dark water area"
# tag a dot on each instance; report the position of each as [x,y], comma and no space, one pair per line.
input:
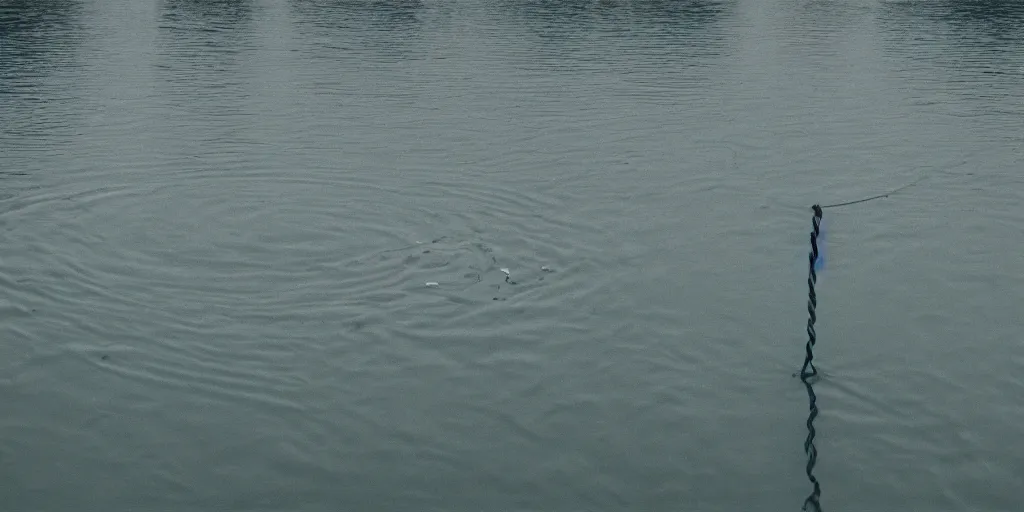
[508,255]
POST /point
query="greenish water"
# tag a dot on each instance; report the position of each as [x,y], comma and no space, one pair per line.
[218,220]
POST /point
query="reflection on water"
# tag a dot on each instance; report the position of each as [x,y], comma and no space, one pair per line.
[204,49]
[976,47]
[1003,20]
[656,11]
[658,46]
[971,23]
[40,44]
[346,30]
[197,34]
[376,15]
[561,20]
[207,14]
[687,14]
[36,35]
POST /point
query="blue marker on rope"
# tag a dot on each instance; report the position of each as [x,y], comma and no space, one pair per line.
[819,264]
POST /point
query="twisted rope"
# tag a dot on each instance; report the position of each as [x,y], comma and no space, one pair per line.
[808,372]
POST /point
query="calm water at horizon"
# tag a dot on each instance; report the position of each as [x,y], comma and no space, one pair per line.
[219,219]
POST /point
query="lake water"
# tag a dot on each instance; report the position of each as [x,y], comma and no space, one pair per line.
[219,219]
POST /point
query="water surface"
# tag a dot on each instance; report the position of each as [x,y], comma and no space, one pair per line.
[218,220]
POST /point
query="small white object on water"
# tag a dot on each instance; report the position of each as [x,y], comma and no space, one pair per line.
[546,268]
[505,270]
[431,284]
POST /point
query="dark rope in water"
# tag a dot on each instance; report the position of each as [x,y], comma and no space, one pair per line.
[809,372]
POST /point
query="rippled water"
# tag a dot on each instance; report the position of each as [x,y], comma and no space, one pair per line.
[219,219]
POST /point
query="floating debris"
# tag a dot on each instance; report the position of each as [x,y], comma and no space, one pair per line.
[432,284]
[508,276]
[546,268]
